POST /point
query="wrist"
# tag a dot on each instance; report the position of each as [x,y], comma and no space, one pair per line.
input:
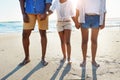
[46,12]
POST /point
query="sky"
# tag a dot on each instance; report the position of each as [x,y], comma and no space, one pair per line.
[10,10]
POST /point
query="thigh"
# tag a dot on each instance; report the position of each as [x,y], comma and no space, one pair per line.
[94,34]
[95,21]
[87,23]
[60,26]
[85,34]
[42,24]
[26,33]
[67,35]
[61,35]
[31,23]
[67,25]
[42,33]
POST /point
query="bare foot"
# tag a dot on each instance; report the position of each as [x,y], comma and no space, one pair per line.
[44,63]
[25,61]
[95,64]
[63,60]
[83,64]
[69,62]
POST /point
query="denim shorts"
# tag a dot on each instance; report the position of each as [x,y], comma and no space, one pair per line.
[91,21]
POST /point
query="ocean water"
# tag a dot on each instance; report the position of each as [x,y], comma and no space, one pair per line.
[17,26]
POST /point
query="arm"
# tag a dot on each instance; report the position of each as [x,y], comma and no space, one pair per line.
[52,7]
[22,6]
[103,6]
[77,25]
[76,22]
[43,16]
[74,14]
[47,7]
[48,11]
[102,26]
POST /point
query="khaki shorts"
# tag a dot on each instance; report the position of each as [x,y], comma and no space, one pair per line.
[42,25]
[61,26]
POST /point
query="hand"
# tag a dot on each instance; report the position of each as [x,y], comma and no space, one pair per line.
[49,12]
[77,25]
[102,26]
[25,18]
[43,16]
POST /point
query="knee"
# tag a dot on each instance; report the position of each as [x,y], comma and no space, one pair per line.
[84,42]
[43,34]
[25,35]
[62,42]
[68,43]
[94,41]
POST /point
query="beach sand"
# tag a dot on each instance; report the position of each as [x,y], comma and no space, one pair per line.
[108,56]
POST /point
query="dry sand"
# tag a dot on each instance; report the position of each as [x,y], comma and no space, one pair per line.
[108,56]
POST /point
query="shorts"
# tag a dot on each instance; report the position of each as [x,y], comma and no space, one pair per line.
[61,26]
[42,25]
[91,21]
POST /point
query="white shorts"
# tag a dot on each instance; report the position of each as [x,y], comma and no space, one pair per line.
[61,26]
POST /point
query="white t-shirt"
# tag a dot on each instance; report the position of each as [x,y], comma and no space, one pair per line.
[92,6]
[64,10]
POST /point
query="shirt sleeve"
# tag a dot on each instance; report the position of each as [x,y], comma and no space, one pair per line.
[72,9]
[54,5]
[79,4]
[104,5]
[48,1]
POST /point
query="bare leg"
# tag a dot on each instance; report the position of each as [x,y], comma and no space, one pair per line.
[94,37]
[43,43]
[26,43]
[61,35]
[44,46]
[85,34]
[67,35]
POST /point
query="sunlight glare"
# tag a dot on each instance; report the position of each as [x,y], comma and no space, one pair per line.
[74,2]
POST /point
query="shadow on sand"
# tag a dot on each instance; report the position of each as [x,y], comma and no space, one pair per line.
[65,71]
[12,72]
[57,71]
[94,69]
[83,75]
[94,75]
[36,68]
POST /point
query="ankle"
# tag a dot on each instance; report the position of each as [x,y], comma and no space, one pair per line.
[69,59]
[26,58]
[93,61]
[84,61]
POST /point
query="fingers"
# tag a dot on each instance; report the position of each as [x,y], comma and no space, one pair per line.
[77,25]
[43,16]
[25,18]
[102,26]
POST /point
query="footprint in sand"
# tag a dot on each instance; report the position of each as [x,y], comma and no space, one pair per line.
[2,50]
[111,72]
[107,62]
[117,41]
